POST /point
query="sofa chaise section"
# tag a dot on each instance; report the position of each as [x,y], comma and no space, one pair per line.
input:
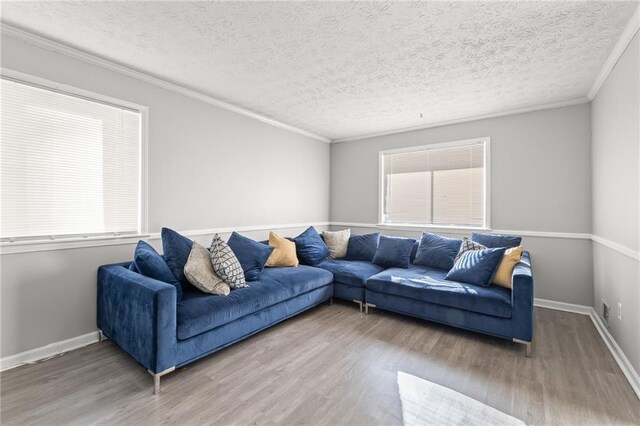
[141,314]
[423,293]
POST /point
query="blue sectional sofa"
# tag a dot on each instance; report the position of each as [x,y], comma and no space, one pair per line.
[143,317]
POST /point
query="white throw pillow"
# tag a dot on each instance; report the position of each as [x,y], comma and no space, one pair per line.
[337,242]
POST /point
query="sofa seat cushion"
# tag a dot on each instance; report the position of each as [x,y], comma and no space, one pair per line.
[428,285]
[352,272]
[199,312]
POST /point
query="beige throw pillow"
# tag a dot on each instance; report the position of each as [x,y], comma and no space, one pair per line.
[199,272]
[509,261]
[337,242]
[284,252]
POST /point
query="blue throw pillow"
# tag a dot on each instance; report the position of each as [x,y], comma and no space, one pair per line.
[393,252]
[414,251]
[176,252]
[362,247]
[310,247]
[476,266]
[436,251]
[252,255]
[150,264]
[495,240]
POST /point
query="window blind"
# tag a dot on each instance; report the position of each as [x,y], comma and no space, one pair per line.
[70,165]
[435,186]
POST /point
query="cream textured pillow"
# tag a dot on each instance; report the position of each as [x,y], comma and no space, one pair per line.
[337,241]
[199,272]
[509,261]
[284,252]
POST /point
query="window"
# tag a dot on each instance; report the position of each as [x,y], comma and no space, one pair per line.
[71,162]
[441,185]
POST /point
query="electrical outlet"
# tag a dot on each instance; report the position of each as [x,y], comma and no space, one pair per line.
[620,311]
[605,312]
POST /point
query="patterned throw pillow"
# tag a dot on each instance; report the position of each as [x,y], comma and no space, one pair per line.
[200,274]
[467,245]
[225,264]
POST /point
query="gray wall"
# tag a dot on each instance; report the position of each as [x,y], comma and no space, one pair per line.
[616,198]
[540,181]
[208,168]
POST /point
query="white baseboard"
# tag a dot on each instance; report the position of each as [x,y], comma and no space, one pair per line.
[562,306]
[630,373]
[44,352]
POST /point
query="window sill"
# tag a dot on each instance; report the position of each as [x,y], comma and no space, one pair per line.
[28,246]
[451,229]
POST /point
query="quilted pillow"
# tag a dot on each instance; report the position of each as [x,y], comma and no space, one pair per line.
[310,248]
[149,263]
[251,254]
[467,245]
[225,264]
[337,242]
[199,271]
[476,266]
[436,251]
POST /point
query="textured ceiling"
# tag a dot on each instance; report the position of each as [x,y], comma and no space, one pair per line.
[342,69]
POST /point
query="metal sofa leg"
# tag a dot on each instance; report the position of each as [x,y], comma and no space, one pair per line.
[367,306]
[330,301]
[527,345]
[359,302]
[156,378]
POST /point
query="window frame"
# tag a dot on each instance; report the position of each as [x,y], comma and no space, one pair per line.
[71,241]
[425,226]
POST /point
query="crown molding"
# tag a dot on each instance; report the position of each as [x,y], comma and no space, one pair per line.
[54,46]
[533,108]
[625,38]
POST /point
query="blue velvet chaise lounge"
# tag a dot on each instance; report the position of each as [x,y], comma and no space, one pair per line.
[142,316]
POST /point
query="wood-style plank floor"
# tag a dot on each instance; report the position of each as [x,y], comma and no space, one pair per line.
[333,365]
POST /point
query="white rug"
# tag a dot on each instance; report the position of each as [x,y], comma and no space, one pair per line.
[427,403]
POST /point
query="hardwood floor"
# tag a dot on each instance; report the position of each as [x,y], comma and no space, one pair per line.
[333,365]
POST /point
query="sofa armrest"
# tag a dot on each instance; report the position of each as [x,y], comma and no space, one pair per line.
[522,298]
[139,314]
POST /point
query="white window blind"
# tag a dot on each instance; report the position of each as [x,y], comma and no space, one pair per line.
[71,166]
[438,185]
